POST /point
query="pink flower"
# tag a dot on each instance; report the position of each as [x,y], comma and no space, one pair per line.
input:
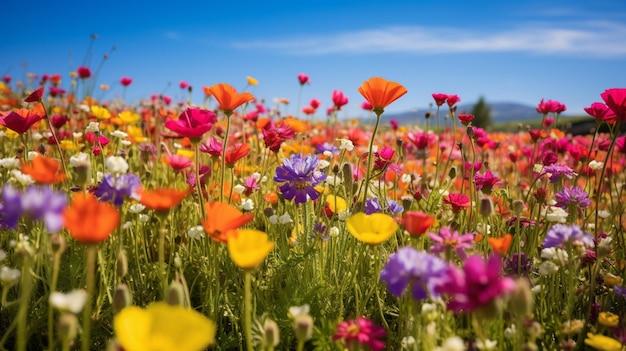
[20,120]
[615,99]
[548,106]
[83,72]
[367,106]
[466,118]
[383,158]
[601,113]
[394,124]
[212,147]
[125,81]
[6,79]
[35,95]
[339,99]
[360,332]
[485,182]
[477,284]
[177,162]
[315,103]
[192,123]
[440,99]
[303,78]
[183,84]
[453,100]
[457,201]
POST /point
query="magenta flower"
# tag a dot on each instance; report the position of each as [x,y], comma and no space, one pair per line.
[615,99]
[477,284]
[440,99]
[339,99]
[192,123]
[367,106]
[212,147]
[451,240]
[572,196]
[457,201]
[601,112]
[548,106]
[125,81]
[303,78]
[360,332]
[83,72]
[20,123]
[486,181]
[382,158]
[453,100]
[315,103]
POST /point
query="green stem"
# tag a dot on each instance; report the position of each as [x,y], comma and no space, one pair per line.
[223,160]
[53,287]
[22,314]
[379,113]
[90,267]
[248,309]
[198,182]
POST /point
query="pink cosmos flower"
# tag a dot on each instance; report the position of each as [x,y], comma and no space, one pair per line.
[303,78]
[360,332]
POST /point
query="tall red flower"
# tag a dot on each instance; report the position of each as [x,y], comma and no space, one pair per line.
[35,95]
[125,81]
[339,99]
[303,78]
[453,100]
[417,222]
[20,120]
[548,106]
[457,201]
[192,123]
[83,72]
[440,99]
[601,113]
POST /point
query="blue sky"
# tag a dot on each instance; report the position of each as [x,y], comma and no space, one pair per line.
[518,51]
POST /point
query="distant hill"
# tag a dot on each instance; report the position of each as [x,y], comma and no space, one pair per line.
[500,112]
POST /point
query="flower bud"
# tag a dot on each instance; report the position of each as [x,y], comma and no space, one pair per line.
[522,299]
[303,325]
[68,327]
[122,264]
[57,244]
[517,206]
[271,333]
[486,207]
[121,298]
[175,294]
[348,178]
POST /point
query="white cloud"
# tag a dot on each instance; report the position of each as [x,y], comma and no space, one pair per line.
[597,39]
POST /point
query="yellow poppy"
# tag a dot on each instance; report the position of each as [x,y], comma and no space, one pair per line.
[602,343]
[100,112]
[163,327]
[128,117]
[373,229]
[248,247]
[336,203]
[252,81]
[608,319]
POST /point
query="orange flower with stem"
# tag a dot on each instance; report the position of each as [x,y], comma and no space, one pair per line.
[45,170]
[221,218]
[229,100]
[162,200]
[89,222]
[501,245]
[380,93]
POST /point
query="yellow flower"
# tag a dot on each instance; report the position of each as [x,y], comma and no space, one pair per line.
[608,319]
[104,87]
[128,117]
[603,343]
[248,247]
[186,152]
[68,145]
[612,280]
[11,134]
[163,327]
[252,81]
[100,112]
[336,203]
[135,134]
[373,229]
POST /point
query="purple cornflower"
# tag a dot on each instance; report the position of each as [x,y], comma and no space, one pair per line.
[372,205]
[117,188]
[518,263]
[326,146]
[300,177]
[411,267]
[559,235]
[451,240]
[36,203]
[486,181]
[476,285]
[574,196]
[204,170]
[558,172]
[619,290]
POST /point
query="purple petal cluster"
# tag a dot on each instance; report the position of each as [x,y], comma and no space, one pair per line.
[447,239]
[572,196]
[411,267]
[117,188]
[299,175]
[477,284]
[560,235]
[39,203]
[558,172]
[372,205]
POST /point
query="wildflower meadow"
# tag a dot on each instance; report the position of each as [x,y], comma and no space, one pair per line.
[232,225]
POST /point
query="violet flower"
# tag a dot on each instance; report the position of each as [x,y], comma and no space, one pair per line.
[411,267]
[560,235]
[117,188]
[36,203]
[572,196]
[451,240]
[299,176]
[558,172]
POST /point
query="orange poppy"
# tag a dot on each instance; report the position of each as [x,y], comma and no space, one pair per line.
[88,220]
[228,97]
[222,217]
[501,245]
[162,199]
[237,153]
[417,222]
[381,93]
[45,170]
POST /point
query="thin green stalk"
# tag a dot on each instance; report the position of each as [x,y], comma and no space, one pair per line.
[248,309]
[223,159]
[379,113]
[198,182]
[90,267]
[22,313]
[56,259]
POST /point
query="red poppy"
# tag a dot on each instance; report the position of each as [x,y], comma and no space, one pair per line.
[615,99]
[83,72]
[303,78]
[466,118]
[457,201]
[417,223]
[35,95]
[440,99]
